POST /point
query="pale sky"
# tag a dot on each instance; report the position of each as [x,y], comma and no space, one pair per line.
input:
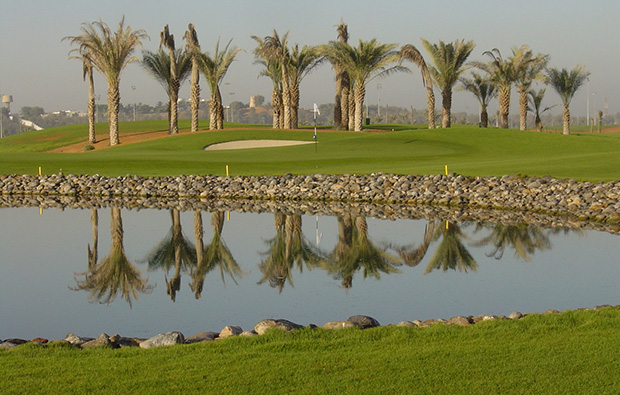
[34,67]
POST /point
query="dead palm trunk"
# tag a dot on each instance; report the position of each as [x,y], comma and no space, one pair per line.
[522,110]
[566,120]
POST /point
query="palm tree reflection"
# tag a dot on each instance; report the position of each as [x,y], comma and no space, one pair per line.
[114,275]
[525,239]
[451,253]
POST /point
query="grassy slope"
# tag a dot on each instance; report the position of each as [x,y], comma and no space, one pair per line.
[466,150]
[574,352]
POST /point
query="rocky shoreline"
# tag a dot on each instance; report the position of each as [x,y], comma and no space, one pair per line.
[174,337]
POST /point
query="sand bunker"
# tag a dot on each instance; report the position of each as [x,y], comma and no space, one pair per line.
[245,144]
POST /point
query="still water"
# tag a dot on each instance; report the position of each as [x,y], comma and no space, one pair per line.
[139,273]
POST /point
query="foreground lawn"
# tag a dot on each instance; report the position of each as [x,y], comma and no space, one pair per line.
[466,150]
[572,352]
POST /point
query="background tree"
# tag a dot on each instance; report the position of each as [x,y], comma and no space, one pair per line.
[410,52]
[484,89]
[449,60]
[301,62]
[215,69]
[167,40]
[192,48]
[110,53]
[82,54]
[277,49]
[535,105]
[566,83]
[528,69]
[343,82]
[272,70]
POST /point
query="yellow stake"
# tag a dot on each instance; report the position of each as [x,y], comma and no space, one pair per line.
[39,170]
[228,216]
[40,210]
[226,170]
[446,169]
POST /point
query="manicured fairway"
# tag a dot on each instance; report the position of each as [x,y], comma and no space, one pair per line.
[466,150]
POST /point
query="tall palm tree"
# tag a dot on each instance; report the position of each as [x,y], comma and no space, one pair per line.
[485,90]
[410,52]
[114,275]
[367,61]
[528,69]
[341,99]
[277,48]
[167,40]
[566,83]
[110,53]
[215,69]
[272,70]
[449,60]
[535,105]
[158,65]
[87,70]
[192,47]
[301,62]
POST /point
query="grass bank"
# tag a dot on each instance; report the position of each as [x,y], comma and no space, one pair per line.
[572,352]
[466,150]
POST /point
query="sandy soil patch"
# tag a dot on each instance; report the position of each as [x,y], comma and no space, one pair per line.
[244,144]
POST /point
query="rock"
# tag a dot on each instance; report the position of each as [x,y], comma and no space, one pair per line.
[118,341]
[339,325]
[284,325]
[102,340]
[163,339]
[77,340]
[230,330]
[7,345]
[459,320]
[551,311]
[408,324]
[40,340]
[16,341]
[363,321]
[515,315]
[202,337]
[248,334]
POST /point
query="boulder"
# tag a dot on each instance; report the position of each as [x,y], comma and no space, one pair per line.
[118,341]
[283,325]
[229,331]
[202,337]
[339,325]
[459,320]
[515,315]
[408,324]
[7,345]
[77,340]
[102,340]
[364,321]
[163,339]
[248,334]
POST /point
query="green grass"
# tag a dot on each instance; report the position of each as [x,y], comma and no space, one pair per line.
[467,150]
[572,352]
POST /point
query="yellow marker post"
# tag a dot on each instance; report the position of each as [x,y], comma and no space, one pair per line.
[39,170]
[446,169]
[228,216]
[40,210]
[226,170]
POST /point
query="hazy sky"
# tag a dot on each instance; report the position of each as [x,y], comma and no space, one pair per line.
[34,67]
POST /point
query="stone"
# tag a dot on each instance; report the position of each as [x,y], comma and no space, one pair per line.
[7,345]
[284,325]
[102,340]
[118,341]
[407,324]
[515,315]
[163,339]
[551,311]
[459,320]
[77,340]
[364,321]
[229,331]
[16,341]
[40,340]
[202,337]
[339,325]
[248,334]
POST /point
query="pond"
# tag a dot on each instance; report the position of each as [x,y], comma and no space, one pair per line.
[139,273]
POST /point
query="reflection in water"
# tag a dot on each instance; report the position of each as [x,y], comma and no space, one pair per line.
[216,254]
[114,274]
[289,248]
[451,253]
[174,250]
[355,252]
[525,239]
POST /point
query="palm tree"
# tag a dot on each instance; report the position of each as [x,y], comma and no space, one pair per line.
[192,47]
[341,99]
[110,53]
[301,62]
[87,69]
[114,274]
[277,49]
[449,60]
[215,69]
[528,68]
[158,65]
[566,83]
[367,61]
[485,90]
[167,40]
[174,250]
[410,52]
[274,72]
[535,105]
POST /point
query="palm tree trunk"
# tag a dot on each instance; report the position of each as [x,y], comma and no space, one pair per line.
[92,139]
[116,228]
[504,105]
[220,109]
[539,125]
[198,234]
[360,93]
[522,110]
[294,106]
[213,113]
[114,99]
[286,102]
[484,117]
[446,107]
[276,100]
[337,99]
[174,97]
[430,105]
[194,96]
[566,120]
[92,253]
[345,108]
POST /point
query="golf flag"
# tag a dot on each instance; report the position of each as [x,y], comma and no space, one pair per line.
[316,109]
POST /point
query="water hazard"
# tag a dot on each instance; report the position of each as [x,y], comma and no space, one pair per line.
[139,273]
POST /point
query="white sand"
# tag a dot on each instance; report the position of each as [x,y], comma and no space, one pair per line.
[244,144]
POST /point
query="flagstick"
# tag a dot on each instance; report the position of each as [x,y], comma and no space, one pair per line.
[314,137]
